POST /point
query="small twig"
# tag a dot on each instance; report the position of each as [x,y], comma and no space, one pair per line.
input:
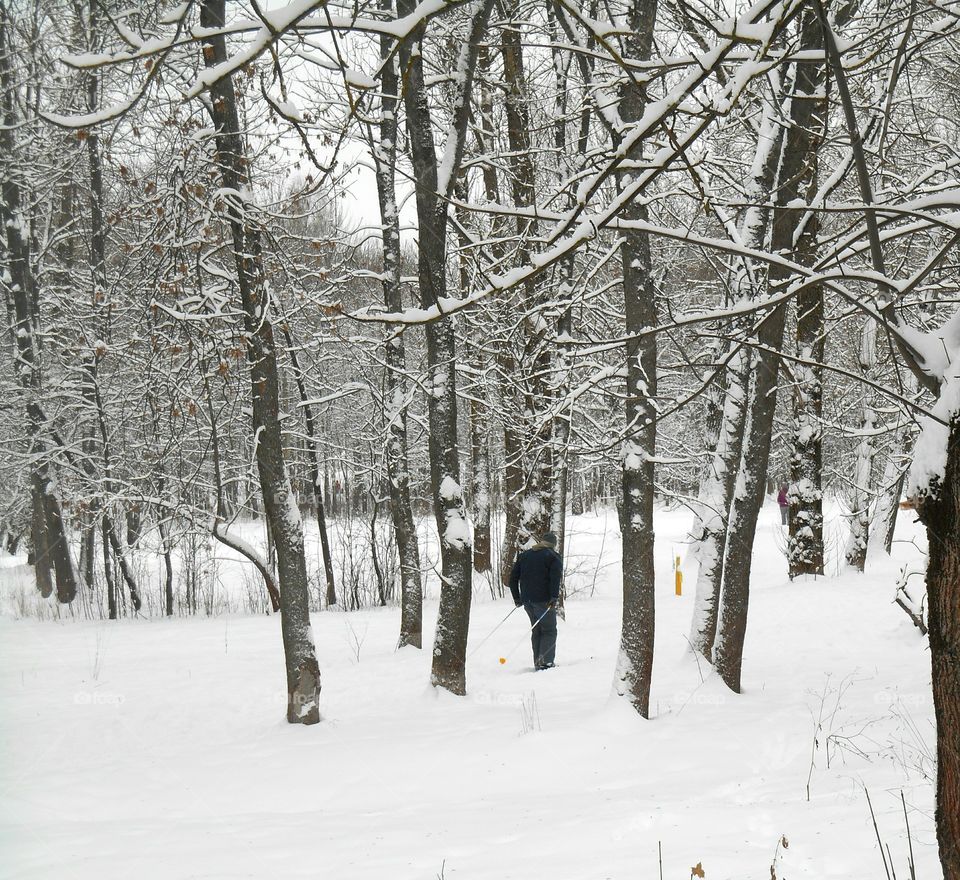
[913,871]
[877,831]
[695,657]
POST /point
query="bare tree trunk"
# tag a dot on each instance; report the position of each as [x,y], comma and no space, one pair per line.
[27,367]
[112,609]
[314,456]
[888,506]
[941,516]
[861,493]
[397,387]
[562,422]
[793,181]
[713,506]
[635,661]
[480,468]
[164,529]
[717,486]
[535,506]
[506,366]
[805,518]
[283,516]
[449,652]
[42,561]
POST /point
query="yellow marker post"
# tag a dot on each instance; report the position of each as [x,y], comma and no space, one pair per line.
[678,576]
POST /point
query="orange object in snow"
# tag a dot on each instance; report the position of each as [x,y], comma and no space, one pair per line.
[678,577]
[503,660]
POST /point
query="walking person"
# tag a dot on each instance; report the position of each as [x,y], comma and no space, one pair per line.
[784,503]
[535,584]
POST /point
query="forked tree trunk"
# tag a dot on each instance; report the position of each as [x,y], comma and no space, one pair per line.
[283,516]
[792,182]
[453,621]
[713,506]
[717,486]
[635,659]
[310,423]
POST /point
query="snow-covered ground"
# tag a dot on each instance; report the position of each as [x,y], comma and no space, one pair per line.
[157,748]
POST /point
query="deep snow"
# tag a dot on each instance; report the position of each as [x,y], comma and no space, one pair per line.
[157,748]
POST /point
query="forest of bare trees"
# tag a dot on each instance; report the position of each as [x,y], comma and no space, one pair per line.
[486,262]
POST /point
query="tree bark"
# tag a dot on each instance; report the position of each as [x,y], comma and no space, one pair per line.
[635,660]
[805,517]
[505,362]
[717,487]
[283,515]
[396,385]
[861,493]
[941,516]
[448,668]
[480,467]
[535,504]
[792,182]
[310,423]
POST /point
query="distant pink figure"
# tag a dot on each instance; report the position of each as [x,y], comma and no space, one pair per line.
[784,503]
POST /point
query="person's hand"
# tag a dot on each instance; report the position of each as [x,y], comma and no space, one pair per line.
[552,605]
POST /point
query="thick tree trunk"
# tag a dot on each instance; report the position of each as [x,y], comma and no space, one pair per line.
[396,390]
[805,519]
[941,516]
[42,561]
[283,516]
[635,660]
[453,621]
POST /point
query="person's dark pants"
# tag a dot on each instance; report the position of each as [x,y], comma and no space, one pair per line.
[543,636]
[784,511]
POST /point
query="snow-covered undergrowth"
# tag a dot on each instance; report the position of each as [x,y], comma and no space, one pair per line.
[157,748]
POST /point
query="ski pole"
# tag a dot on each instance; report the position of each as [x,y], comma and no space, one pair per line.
[532,628]
[502,622]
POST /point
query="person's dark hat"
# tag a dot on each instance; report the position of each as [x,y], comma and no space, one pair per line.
[549,538]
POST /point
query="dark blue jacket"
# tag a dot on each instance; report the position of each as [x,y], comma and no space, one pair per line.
[536,575]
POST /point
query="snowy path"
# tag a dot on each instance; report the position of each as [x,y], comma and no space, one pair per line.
[156,749]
